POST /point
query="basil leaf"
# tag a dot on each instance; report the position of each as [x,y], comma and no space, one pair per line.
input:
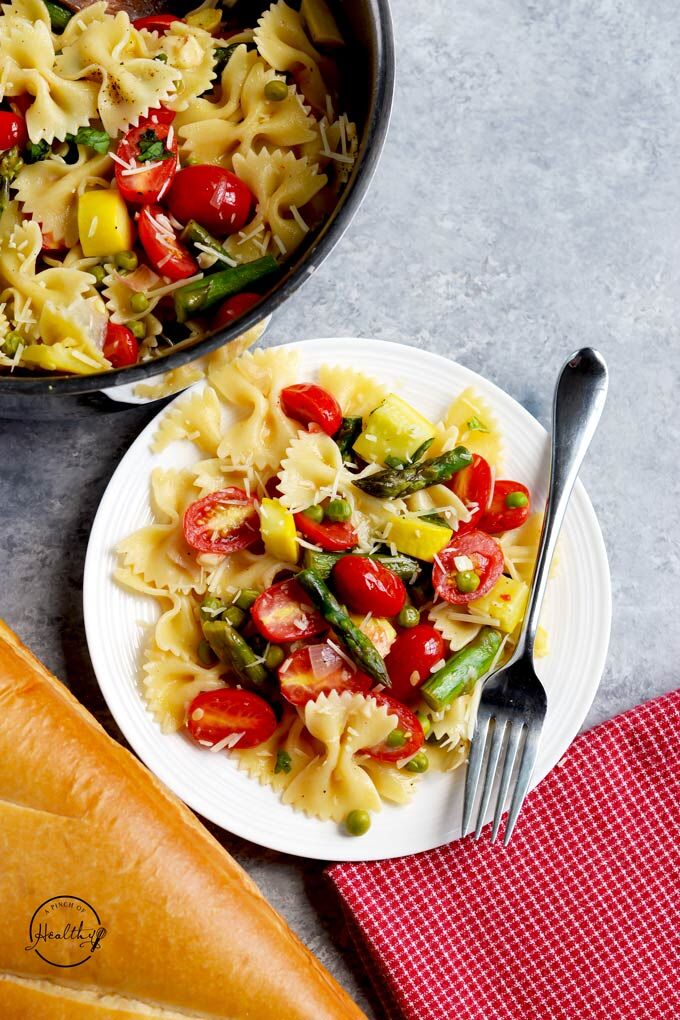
[475,425]
[35,151]
[97,140]
[151,148]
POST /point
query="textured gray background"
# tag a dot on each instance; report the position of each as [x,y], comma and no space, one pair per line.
[526,204]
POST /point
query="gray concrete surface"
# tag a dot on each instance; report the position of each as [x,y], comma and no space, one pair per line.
[527,203]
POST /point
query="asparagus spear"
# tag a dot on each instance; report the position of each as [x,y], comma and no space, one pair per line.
[394,483]
[197,234]
[460,674]
[59,16]
[323,562]
[347,436]
[361,648]
[234,651]
[196,297]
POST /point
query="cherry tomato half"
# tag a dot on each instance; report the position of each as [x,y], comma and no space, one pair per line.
[474,484]
[12,130]
[156,22]
[120,345]
[158,115]
[301,683]
[309,403]
[331,536]
[163,250]
[222,522]
[139,186]
[501,517]
[214,715]
[217,198]
[233,308]
[412,657]
[407,722]
[283,613]
[368,587]
[487,562]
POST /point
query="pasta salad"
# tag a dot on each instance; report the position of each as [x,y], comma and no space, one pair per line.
[156,175]
[336,574]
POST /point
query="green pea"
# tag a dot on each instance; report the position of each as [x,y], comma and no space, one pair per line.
[397,738]
[11,343]
[206,656]
[99,273]
[425,722]
[358,822]
[125,260]
[338,510]
[139,302]
[315,513]
[418,763]
[246,598]
[211,608]
[234,616]
[467,581]
[516,499]
[283,762]
[274,656]
[138,329]
[275,90]
[408,617]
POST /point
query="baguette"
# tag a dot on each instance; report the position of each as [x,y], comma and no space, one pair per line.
[85,827]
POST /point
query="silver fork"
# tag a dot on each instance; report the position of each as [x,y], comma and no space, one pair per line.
[513,700]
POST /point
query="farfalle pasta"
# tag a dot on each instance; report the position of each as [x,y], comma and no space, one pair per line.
[330,593]
[184,160]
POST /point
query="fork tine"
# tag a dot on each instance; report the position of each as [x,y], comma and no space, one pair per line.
[491,767]
[474,767]
[514,737]
[526,767]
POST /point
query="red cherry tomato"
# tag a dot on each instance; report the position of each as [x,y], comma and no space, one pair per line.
[407,722]
[222,522]
[12,130]
[300,682]
[21,104]
[487,561]
[156,22]
[411,657]
[139,186]
[331,536]
[120,346]
[214,715]
[500,517]
[309,403]
[217,198]
[158,115]
[163,250]
[473,484]
[368,587]
[283,613]
[233,308]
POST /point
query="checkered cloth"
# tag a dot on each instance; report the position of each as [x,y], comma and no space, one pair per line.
[579,918]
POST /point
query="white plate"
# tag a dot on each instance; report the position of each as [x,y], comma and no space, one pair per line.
[577,615]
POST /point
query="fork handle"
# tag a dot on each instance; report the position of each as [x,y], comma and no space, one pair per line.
[577,406]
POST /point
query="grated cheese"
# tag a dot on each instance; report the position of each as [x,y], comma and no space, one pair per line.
[93,226]
[132,171]
[295,213]
[217,254]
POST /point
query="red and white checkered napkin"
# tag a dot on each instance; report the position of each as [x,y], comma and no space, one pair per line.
[579,918]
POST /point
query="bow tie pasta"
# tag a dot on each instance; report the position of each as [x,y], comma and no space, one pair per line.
[176,165]
[324,611]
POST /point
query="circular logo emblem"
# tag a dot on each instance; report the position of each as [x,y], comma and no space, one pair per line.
[65,931]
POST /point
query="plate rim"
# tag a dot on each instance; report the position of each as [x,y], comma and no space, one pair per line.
[120,716]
